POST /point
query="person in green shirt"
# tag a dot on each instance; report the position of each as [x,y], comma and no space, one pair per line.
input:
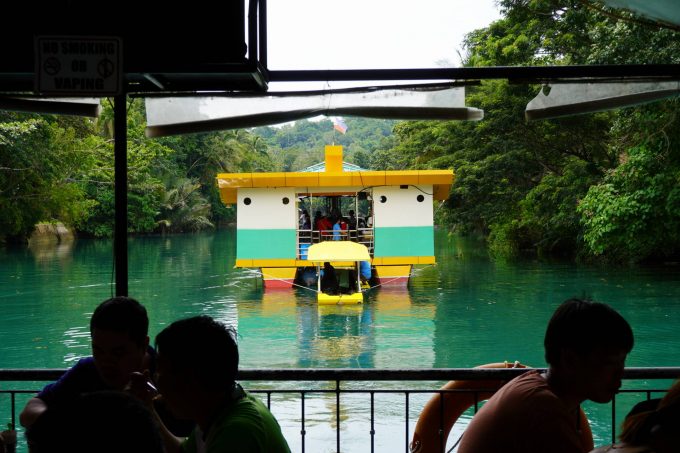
[197,363]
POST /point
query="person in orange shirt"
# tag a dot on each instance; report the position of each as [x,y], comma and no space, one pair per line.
[586,344]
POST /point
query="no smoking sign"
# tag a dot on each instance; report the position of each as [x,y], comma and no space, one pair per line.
[79,66]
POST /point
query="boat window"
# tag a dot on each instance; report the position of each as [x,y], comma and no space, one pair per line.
[420,198]
[383,199]
[246,201]
[285,200]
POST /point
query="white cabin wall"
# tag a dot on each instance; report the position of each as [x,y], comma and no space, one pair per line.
[402,207]
[266,210]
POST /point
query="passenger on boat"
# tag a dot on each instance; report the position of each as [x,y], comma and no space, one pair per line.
[340,229]
[104,422]
[329,279]
[365,271]
[323,226]
[650,427]
[196,375]
[586,344]
[305,222]
[120,347]
[352,220]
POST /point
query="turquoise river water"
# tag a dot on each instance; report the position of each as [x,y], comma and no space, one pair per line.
[465,311]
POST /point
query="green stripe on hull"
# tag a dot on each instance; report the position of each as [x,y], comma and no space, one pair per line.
[404,241]
[265,244]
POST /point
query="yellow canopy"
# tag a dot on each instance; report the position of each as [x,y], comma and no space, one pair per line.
[338,251]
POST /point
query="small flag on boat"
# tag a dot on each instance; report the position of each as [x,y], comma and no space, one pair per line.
[339,125]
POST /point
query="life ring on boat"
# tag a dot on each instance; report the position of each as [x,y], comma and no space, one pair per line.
[426,436]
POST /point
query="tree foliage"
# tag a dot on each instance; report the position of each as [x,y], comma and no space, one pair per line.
[603,185]
[41,163]
[565,185]
[63,169]
[301,144]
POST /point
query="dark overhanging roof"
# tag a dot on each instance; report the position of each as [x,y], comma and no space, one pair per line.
[166,47]
[176,49]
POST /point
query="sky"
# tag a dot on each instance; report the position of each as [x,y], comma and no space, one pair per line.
[371,34]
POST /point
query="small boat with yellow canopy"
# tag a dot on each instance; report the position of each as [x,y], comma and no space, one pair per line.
[338,271]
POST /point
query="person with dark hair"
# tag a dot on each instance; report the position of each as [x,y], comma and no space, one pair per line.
[651,426]
[329,279]
[196,376]
[586,344]
[107,422]
[120,347]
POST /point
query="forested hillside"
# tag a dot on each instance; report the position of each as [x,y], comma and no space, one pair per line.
[299,145]
[597,186]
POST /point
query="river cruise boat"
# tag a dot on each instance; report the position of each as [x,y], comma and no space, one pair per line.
[280,216]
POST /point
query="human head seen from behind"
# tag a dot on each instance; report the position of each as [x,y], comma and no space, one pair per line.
[655,426]
[586,344]
[582,325]
[201,347]
[106,422]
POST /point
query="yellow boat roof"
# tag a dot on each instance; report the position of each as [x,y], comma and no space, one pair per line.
[334,176]
[337,251]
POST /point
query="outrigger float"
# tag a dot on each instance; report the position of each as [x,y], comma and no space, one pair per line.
[279,219]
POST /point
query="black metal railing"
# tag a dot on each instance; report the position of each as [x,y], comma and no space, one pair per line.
[307,384]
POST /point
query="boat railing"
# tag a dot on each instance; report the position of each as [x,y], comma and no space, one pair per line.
[340,399]
[306,237]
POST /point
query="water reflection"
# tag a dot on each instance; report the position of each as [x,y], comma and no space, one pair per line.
[338,336]
[47,252]
[289,329]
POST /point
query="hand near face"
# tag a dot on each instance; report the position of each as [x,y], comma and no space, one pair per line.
[140,386]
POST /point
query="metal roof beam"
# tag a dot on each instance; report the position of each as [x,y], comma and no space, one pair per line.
[516,74]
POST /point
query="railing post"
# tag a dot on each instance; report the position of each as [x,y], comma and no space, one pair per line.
[337,414]
[406,395]
[372,422]
[303,432]
[14,410]
[442,441]
[614,419]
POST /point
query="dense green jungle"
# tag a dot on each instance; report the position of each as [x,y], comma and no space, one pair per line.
[603,186]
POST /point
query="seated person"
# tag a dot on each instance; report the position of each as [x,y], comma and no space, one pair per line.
[120,347]
[586,344]
[651,426]
[106,422]
[329,279]
[196,375]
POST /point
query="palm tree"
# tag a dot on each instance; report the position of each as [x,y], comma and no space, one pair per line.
[184,208]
